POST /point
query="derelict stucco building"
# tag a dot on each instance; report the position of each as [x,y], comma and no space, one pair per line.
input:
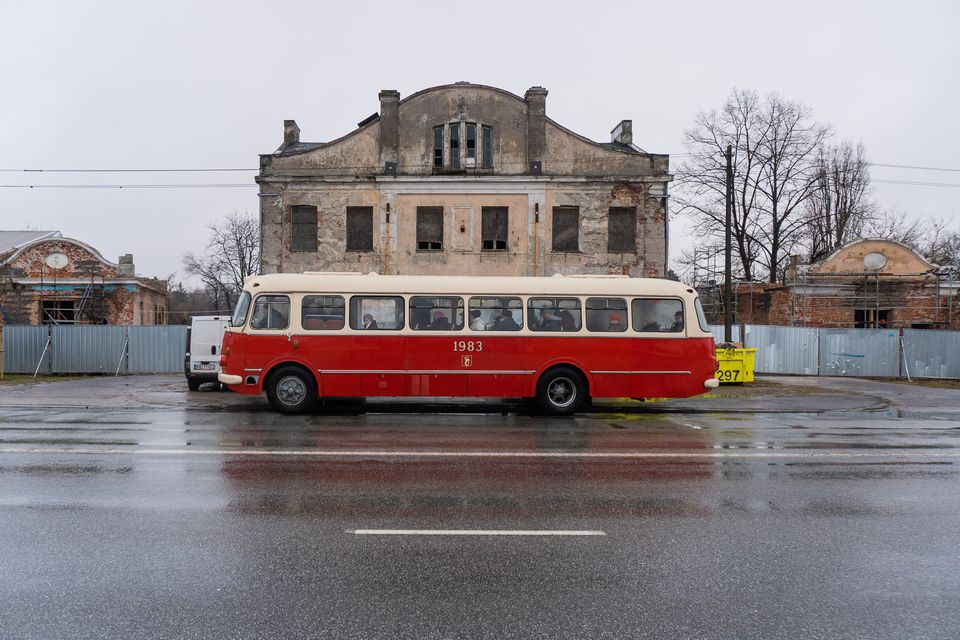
[464,179]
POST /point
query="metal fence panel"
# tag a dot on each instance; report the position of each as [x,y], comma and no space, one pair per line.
[790,350]
[934,354]
[22,347]
[717,331]
[158,349]
[87,348]
[859,352]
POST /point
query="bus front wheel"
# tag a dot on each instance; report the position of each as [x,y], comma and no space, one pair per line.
[291,390]
[561,391]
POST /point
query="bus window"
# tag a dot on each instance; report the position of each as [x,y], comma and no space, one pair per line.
[322,313]
[606,314]
[650,314]
[240,313]
[271,312]
[436,313]
[701,316]
[376,312]
[496,314]
[554,314]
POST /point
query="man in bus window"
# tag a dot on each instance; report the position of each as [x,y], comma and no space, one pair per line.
[677,322]
[368,322]
[505,322]
[548,320]
[440,321]
[615,323]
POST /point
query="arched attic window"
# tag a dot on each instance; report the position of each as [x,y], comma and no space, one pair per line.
[461,146]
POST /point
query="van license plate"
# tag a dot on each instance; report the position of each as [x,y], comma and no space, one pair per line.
[204,366]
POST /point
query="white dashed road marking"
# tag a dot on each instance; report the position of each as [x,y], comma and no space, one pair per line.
[472,532]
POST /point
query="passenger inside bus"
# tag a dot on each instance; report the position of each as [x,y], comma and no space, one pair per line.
[440,322]
[548,321]
[615,323]
[567,321]
[505,322]
[677,322]
[369,322]
[476,322]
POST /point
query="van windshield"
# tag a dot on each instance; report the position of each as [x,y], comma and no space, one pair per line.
[240,313]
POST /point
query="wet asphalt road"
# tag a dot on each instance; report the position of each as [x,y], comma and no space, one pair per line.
[234,522]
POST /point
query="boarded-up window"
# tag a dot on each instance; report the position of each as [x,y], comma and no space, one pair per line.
[493,221]
[429,228]
[438,147]
[566,228]
[487,148]
[622,229]
[303,233]
[359,228]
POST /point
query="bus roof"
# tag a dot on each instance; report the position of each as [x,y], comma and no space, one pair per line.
[464,285]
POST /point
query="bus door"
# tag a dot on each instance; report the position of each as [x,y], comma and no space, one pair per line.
[435,362]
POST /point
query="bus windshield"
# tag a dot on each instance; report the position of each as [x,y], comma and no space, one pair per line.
[240,313]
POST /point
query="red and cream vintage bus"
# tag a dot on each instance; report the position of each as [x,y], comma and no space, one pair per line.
[561,339]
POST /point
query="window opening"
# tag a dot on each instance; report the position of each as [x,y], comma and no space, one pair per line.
[494,226]
[554,314]
[322,313]
[429,228]
[566,229]
[622,230]
[271,312]
[606,314]
[471,144]
[303,228]
[359,228]
[486,150]
[376,312]
[455,145]
[438,147]
[496,314]
[652,314]
[436,313]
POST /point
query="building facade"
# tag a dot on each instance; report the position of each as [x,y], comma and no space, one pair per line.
[48,279]
[464,178]
[870,283]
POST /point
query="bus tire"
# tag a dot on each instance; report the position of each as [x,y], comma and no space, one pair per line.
[290,389]
[561,391]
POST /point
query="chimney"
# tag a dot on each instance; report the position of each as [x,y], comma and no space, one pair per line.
[291,132]
[125,266]
[389,130]
[623,132]
[536,98]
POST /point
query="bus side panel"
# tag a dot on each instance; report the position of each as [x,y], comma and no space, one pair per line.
[435,362]
[510,362]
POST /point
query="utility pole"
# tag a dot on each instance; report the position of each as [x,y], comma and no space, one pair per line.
[727,284]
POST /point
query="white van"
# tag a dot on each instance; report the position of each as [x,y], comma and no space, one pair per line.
[202,360]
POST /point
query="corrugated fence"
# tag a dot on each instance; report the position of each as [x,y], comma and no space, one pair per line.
[792,350]
[852,352]
[93,349]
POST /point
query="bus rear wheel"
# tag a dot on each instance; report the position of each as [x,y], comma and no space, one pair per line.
[561,391]
[291,390]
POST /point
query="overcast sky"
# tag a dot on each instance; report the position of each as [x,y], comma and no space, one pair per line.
[187,85]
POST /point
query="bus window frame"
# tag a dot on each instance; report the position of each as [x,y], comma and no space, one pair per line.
[268,330]
[403,311]
[661,333]
[300,316]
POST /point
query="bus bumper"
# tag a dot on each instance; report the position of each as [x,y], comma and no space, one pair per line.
[226,378]
[711,383]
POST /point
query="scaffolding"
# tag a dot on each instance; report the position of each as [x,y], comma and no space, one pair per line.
[71,302]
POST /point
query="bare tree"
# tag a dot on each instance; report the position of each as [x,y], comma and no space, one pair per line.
[233,253]
[701,179]
[895,224]
[775,142]
[840,207]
